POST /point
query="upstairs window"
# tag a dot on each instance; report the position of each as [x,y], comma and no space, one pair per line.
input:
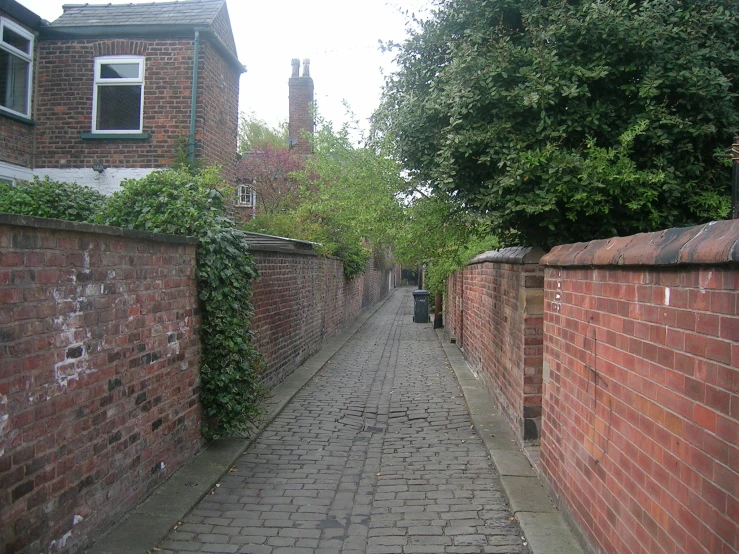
[16,57]
[118,96]
[246,196]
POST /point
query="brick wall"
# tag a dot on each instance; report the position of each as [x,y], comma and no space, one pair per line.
[640,435]
[63,103]
[99,375]
[217,120]
[493,308]
[302,300]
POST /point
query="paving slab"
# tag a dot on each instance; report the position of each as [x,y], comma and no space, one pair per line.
[376,444]
[541,523]
[376,453]
[540,528]
[167,506]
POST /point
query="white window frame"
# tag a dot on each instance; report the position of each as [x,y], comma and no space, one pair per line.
[98,81]
[245,196]
[28,57]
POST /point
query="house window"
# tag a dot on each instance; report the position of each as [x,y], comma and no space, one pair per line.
[16,56]
[118,94]
[246,196]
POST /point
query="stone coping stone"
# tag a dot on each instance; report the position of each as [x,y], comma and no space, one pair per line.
[512,255]
[75,227]
[714,243]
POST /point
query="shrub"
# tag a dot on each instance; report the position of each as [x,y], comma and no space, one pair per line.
[186,203]
[53,199]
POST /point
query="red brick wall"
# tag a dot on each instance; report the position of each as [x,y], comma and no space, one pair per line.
[302,300]
[640,436]
[99,376]
[16,138]
[64,103]
[493,308]
[217,121]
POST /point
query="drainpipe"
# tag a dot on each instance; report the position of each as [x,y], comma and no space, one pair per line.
[193,99]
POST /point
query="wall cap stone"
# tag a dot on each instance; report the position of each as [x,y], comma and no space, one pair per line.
[61,225]
[713,243]
[511,255]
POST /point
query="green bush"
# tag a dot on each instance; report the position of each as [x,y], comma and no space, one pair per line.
[184,203]
[47,198]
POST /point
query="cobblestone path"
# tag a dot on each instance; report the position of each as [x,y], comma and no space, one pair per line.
[376,454]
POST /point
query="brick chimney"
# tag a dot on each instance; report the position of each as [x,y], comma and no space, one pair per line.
[301,107]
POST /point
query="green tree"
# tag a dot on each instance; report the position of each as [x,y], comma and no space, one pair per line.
[570,120]
[438,232]
[347,200]
[255,134]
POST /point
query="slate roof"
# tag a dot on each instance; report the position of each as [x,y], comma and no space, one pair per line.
[185,12]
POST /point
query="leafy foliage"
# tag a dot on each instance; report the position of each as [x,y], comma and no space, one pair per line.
[567,121]
[269,170]
[47,198]
[255,134]
[184,203]
[443,236]
[346,201]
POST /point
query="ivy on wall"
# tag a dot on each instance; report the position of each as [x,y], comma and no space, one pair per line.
[191,203]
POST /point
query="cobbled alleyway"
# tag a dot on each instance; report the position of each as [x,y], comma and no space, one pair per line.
[376,454]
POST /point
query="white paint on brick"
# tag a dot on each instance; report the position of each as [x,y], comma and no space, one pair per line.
[3,422]
[68,370]
[58,546]
[106,182]
[667,296]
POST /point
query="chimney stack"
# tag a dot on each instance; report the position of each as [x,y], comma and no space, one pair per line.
[301,107]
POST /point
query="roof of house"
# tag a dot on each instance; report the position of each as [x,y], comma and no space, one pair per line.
[185,12]
[21,13]
[150,19]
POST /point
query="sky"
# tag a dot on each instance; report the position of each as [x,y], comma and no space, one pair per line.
[340,37]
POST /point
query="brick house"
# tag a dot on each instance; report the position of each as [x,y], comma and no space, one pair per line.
[301,124]
[108,92]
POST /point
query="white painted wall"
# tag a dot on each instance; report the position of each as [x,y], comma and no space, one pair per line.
[106,182]
[13,172]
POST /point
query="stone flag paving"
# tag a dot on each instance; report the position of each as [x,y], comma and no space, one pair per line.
[376,454]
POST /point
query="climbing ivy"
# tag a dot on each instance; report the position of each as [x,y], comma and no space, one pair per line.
[182,202]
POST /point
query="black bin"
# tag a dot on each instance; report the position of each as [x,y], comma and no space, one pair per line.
[421,306]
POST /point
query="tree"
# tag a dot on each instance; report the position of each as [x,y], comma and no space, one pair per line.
[269,171]
[255,134]
[267,163]
[437,232]
[571,120]
[347,200]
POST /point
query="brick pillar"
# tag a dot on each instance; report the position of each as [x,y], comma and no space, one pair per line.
[301,107]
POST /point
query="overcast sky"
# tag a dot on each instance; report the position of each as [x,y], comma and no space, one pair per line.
[339,36]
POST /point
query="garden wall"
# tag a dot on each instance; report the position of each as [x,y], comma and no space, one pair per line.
[640,436]
[301,300]
[99,361]
[100,356]
[493,310]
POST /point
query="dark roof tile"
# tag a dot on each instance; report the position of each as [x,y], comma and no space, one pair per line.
[183,12]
